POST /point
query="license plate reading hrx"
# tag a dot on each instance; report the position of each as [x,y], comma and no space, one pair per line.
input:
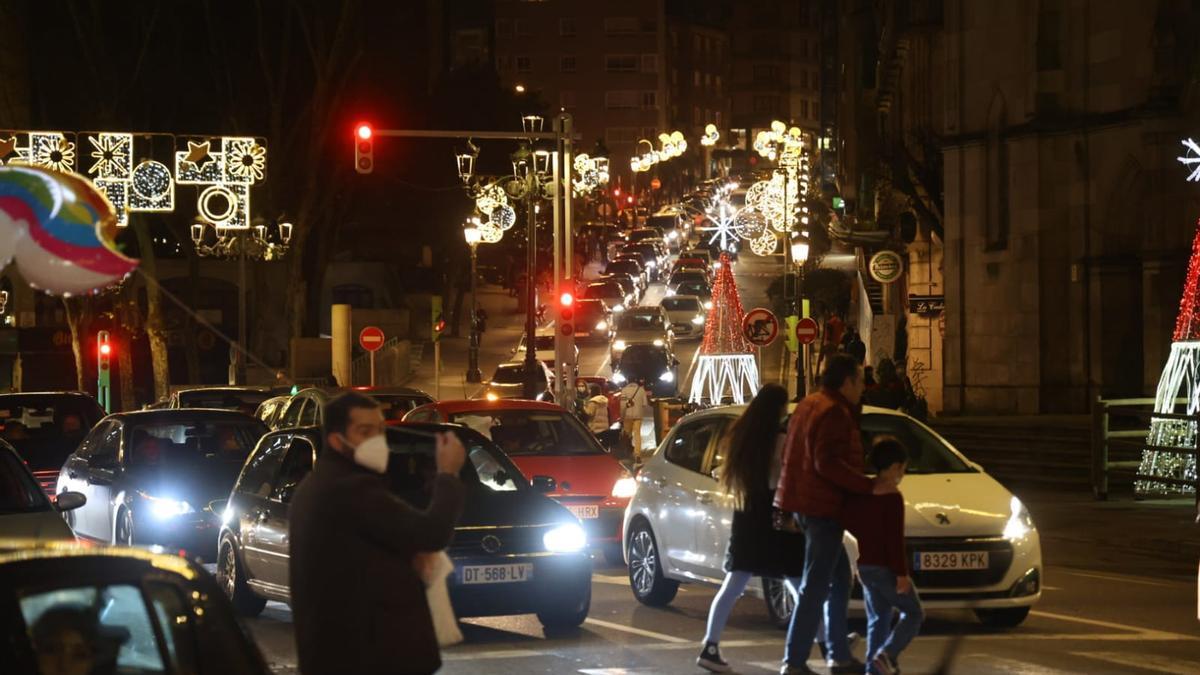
[585,512]
[952,560]
[497,574]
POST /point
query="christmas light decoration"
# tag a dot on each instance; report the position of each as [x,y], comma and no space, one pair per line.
[153,188]
[113,154]
[765,244]
[227,173]
[711,136]
[52,151]
[726,369]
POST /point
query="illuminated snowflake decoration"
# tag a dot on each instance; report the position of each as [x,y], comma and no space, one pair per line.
[750,224]
[768,198]
[54,152]
[113,155]
[246,160]
[725,227]
[764,245]
[1191,159]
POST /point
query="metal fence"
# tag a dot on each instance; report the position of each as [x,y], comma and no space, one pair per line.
[1122,426]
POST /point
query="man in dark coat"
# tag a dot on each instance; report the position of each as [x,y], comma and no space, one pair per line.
[357,599]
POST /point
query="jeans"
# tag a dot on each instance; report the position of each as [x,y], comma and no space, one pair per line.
[879,592]
[826,583]
[732,589]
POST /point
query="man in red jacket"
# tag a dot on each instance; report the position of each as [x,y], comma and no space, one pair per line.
[823,462]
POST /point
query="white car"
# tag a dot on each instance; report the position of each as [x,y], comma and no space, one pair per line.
[971,543]
[686,314]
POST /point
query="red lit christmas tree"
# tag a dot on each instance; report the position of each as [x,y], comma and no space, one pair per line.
[726,369]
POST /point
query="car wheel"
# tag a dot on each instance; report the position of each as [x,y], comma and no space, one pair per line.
[1009,617]
[560,619]
[614,555]
[123,528]
[233,581]
[646,579]
[779,600]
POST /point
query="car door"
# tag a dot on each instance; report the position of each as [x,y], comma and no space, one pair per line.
[253,497]
[273,529]
[101,472]
[73,478]
[681,483]
[715,511]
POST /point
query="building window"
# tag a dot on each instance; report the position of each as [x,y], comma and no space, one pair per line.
[649,63]
[621,63]
[566,27]
[696,78]
[503,28]
[804,109]
[566,100]
[697,116]
[566,64]
[621,99]
[503,63]
[696,43]
[650,100]
[765,74]
[521,27]
[766,104]
[717,82]
[524,64]
[804,79]
[620,25]
[620,136]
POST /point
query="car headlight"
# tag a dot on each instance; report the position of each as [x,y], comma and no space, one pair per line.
[568,538]
[658,342]
[717,265]
[708,304]
[164,508]
[624,487]
[667,377]
[492,396]
[618,377]
[673,235]
[651,264]
[618,307]
[1020,523]
[670,292]
[698,319]
[619,345]
[603,325]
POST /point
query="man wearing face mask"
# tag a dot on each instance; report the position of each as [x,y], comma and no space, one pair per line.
[358,600]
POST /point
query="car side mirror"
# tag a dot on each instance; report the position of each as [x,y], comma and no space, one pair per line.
[216,507]
[69,501]
[544,484]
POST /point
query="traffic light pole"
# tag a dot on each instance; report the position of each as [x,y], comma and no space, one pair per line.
[533,375]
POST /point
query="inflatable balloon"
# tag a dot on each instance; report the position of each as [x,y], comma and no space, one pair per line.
[59,228]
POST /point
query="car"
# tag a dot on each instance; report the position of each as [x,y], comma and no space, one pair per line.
[700,253]
[543,439]
[46,427]
[686,314]
[611,293]
[671,224]
[692,264]
[640,233]
[306,406]
[655,364]
[593,321]
[25,510]
[649,255]
[677,524]
[148,476]
[270,410]
[645,323]
[146,612]
[699,289]
[508,382]
[514,550]
[244,399]
[686,275]
[627,283]
[631,268]
[543,345]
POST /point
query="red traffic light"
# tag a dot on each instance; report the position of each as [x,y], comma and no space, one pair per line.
[617,192]
[629,199]
[566,299]
[364,131]
[105,349]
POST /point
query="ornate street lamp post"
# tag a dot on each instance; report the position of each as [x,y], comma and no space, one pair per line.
[472,236]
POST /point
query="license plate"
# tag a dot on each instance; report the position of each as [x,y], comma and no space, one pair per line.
[951,560]
[497,574]
[588,512]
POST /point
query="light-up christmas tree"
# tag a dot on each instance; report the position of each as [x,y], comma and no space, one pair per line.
[1180,380]
[726,368]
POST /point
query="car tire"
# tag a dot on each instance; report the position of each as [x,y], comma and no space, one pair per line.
[562,619]
[1009,617]
[779,601]
[646,579]
[232,581]
[614,554]
[123,528]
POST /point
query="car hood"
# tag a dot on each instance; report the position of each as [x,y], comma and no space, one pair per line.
[40,525]
[485,508]
[632,336]
[197,484]
[954,505]
[680,315]
[575,475]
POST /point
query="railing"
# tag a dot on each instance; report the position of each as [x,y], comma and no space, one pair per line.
[1105,439]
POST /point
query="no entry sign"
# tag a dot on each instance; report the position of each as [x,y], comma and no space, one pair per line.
[370,338]
[806,331]
[760,327]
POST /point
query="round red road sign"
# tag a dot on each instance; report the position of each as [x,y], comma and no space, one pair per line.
[370,338]
[806,331]
[760,327]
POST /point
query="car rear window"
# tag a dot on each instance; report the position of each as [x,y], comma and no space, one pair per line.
[188,441]
[243,401]
[531,432]
[19,493]
[926,453]
[640,321]
[681,304]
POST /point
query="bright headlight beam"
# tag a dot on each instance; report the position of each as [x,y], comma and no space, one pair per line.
[568,538]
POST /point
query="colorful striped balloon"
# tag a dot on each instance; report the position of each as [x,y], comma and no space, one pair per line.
[60,230]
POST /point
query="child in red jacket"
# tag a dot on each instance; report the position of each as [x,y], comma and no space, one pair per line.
[877,521]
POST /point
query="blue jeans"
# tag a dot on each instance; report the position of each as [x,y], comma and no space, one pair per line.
[879,592]
[826,583]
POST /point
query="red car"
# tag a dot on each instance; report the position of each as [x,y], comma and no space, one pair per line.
[557,453]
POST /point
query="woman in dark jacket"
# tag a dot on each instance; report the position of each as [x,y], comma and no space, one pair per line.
[750,472]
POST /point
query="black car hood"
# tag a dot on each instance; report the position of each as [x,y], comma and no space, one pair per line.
[487,508]
[197,483]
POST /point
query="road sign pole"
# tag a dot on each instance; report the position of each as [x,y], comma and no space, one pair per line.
[437,370]
[372,369]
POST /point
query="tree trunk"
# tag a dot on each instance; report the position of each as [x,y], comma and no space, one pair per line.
[191,348]
[79,318]
[125,373]
[155,332]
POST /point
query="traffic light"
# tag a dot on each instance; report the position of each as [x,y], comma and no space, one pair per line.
[566,313]
[364,148]
[104,351]
[438,325]
[617,192]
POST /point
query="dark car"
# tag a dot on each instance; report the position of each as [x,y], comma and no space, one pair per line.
[270,410]
[306,405]
[647,253]
[697,288]
[514,550]
[148,476]
[593,320]
[631,268]
[46,427]
[610,293]
[25,511]
[144,612]
[655,364]
[241,399]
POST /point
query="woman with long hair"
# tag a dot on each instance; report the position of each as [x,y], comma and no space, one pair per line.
[752,450]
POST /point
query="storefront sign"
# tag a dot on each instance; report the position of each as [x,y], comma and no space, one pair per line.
[926,304]
[886,266]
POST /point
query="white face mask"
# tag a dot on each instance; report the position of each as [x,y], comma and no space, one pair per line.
[373,453]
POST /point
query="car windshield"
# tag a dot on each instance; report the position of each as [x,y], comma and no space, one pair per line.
[590,310]
[689,288]
[926,453]
[531,432]
[681,304]
[608,290]
[624,267]
[396,405]
[640,321]
[167,442]
[225,399]
[19,493]
[643,361]
[413,466]
[638,235]
[541,343]
[665,222]
[46,428]
[509,374]
[688,276]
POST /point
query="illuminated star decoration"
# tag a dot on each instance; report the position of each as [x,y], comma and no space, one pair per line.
[227,176]
[1192,159]
[8,146]
[112,154]
[197,154]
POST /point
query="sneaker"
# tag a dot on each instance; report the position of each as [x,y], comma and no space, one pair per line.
[802,669]
[710,659]
[850,665]
[852,639]
[884,665]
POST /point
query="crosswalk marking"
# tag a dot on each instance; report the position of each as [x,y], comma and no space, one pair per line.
[662,637]
[1125,578]
[490,654]
[1145,661]
[1143,633]
[1014,666]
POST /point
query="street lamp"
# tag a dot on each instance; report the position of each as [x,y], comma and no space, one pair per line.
[228,242]
[472,236]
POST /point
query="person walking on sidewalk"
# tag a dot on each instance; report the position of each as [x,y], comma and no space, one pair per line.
[877,521]
[636,408]
[595,410]
[822,464]
[752,449]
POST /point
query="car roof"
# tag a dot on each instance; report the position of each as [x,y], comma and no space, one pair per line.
[682,297]
[151,415]
[643,309]
[226,387]
[24,550]
[467,405]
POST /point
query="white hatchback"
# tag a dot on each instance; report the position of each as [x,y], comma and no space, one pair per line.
[971,543]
